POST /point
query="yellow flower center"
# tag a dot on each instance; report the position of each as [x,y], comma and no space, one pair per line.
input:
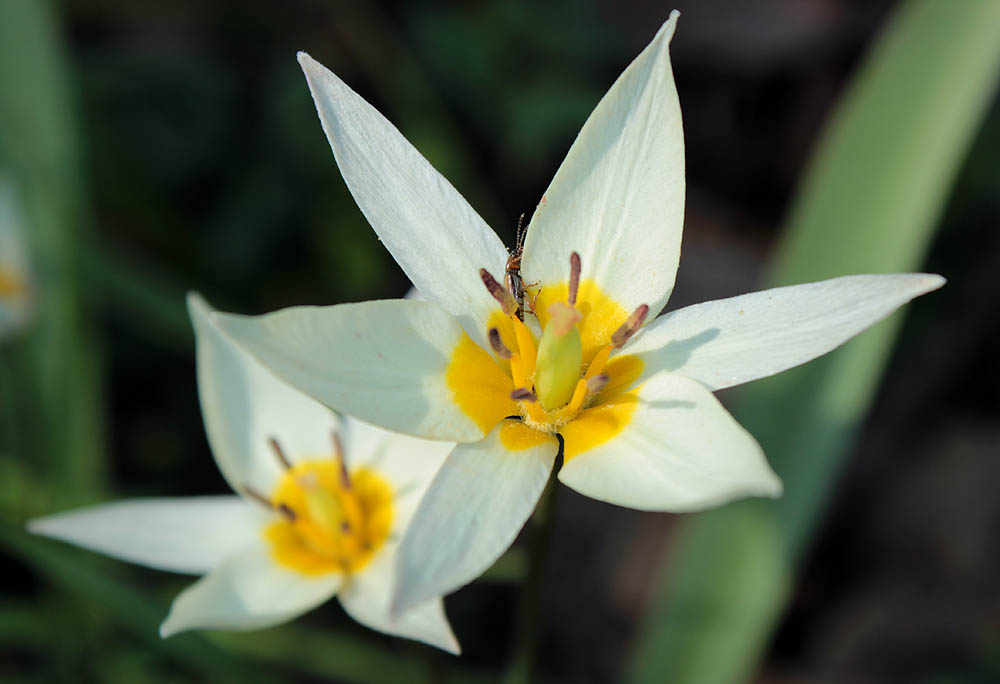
[10,284]
[568,382]
[331,522]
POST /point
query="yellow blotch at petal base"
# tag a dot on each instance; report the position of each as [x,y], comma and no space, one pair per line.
[602,316]
[361,517]
[599,424]
[479,386]
[517,436]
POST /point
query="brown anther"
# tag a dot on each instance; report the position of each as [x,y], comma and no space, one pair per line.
[522,394]
[630,327]
[338,446]
[597,383]
[498,346]
[345,527]
[574,277]
[276,448]
[286,511]
[338,454]
[345,477]
[506,300]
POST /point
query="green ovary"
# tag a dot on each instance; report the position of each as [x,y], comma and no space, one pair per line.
[560,354]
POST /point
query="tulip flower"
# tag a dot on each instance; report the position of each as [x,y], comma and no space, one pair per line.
[520,357]
[319,509]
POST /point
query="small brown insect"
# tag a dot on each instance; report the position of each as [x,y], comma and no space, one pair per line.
[513,270]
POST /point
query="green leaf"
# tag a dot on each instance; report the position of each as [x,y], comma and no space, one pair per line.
[106,593]
[874,192]
[38,152]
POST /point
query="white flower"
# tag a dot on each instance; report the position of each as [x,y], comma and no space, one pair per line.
[15,279]
[322,505]
[634,416]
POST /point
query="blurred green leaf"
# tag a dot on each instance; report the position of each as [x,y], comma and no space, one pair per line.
[38,149]
[334,655]
[869,203]
[341,656]
[129,608]
[151,304]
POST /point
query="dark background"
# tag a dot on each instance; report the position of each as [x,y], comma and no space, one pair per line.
[207,169]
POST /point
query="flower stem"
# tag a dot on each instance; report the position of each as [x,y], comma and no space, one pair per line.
[527,625]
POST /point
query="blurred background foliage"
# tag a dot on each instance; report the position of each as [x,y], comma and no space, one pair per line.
[165,146]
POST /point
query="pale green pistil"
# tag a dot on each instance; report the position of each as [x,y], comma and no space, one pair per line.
[560,354]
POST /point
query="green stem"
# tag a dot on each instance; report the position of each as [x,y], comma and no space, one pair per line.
[527,625]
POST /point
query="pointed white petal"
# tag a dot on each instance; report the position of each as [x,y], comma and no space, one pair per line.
[245,406]
[384,361]
[618,197]
[680,451]
[366,595]
[247,591]
[731,341]
[189,535]
[408,463]
[436,237]
[472,512]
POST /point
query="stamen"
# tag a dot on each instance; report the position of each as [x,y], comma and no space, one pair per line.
[574,277]
[498,346]
[281,508]
[534,413]
[579,395]
[598,362]
[258,497]
[338,450]
[518,372]
[286,511]
[345,477]
[525,348]
[506,300]
[630,327]
[338,446]
[285,463]
[597,383]
[522,394]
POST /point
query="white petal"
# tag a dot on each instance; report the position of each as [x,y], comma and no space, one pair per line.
[618,197]
[681,451]
[247,591]
[436,237]
[366,599]
[732,341]
[190,535]
[245,406]
[408,463]
[384,362]
[472,512]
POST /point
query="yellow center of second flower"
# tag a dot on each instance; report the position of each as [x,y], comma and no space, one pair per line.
[330,522]
[10,284]
[567,382]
